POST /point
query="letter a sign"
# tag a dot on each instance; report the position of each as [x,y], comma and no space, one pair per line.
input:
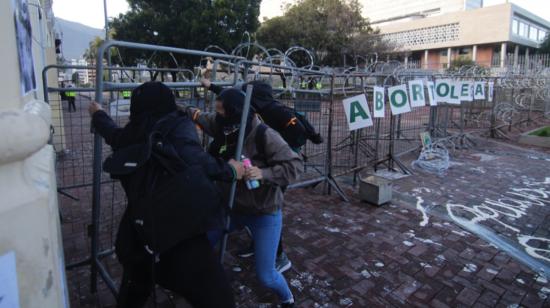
[357,112]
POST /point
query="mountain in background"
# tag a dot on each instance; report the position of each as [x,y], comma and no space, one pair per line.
[76,37]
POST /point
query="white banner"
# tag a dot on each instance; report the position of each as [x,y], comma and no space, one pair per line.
[431,93]
[399,101]
[378,102]
[479,90]
[466,91]
[357,112]
[442,90]
[454,95]
[416,93]
[490,89]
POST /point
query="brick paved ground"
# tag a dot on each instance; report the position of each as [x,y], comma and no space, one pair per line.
[357,255]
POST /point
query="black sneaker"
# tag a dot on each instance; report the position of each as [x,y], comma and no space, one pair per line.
[282,264]
[247,252]
[287,305]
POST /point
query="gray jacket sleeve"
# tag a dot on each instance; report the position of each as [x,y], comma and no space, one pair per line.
[284,165]
[206,120]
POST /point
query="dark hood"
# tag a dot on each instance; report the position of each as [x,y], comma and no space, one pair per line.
[262,94]
[151,100]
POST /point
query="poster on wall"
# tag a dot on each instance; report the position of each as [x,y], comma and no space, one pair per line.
[9,292]
[23,36]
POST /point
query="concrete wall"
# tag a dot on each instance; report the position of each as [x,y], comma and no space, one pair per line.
[476,27]
[29,217]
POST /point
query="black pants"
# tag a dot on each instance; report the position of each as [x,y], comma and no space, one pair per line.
[190,270]
[72,105]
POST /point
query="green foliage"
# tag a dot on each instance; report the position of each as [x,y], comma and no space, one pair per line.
[459,62]
[330,28]
[192,24]
[545,46]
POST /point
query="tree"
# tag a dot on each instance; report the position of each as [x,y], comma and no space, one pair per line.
[545,46]
[192,24]
[332,29]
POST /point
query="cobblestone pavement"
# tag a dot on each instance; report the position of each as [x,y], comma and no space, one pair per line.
[476,237]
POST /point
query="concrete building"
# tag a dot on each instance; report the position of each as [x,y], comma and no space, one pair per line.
[32,268]
[435,32]
[83,74]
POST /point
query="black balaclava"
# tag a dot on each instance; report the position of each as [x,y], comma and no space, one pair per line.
[262,94]
[149,103]
[225,140]
[151,100]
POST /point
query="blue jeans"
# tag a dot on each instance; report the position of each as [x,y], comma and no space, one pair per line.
[266,231]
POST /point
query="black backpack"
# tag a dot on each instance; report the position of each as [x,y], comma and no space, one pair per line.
[168,200]
[292,125]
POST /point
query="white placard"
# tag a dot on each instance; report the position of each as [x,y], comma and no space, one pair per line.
[431,93]
[9,291]
[479,90]
[357,112]
[490,91]
[442,90]
[378,102]
[399,101]
[454,95]
[466,91]
[416,93]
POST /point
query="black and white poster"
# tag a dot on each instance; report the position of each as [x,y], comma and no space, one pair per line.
[23,35]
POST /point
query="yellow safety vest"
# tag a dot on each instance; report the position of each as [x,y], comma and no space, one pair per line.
[318,86]
[70,94]
[126,94]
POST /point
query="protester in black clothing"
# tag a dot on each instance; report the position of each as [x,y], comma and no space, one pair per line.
[262,97]
[190,268]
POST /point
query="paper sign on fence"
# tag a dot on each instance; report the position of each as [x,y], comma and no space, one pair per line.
[454,93]
[479,90]
[357,112]
[378,102]
[399,101]
[416,93]
[442,90]
[431,93]
[466,91]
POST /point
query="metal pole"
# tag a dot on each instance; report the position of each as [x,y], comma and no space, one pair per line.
[238,152]
[328,157]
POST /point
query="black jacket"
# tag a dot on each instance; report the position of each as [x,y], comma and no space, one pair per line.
[186,141]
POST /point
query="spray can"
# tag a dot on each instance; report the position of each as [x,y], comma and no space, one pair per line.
[250,184]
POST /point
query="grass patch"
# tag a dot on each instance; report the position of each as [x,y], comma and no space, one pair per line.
[543,132]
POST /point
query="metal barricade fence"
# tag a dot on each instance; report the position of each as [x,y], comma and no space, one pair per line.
[344,154]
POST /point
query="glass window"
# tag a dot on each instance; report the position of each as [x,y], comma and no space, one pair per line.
[533,33]
[522,29]
[542,35]
[515,26]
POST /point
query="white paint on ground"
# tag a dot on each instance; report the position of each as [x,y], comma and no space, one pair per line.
[407,243]
[469,268]
[521,281]
[333,229]
[492,271]
[366,274]
[420,207]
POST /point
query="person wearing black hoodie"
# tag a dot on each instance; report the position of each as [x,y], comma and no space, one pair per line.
[190,268]
[274,164]
[262,99]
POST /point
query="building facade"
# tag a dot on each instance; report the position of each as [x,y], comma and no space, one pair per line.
[31,255]
[436,33]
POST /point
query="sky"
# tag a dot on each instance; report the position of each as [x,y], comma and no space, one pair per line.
[90,12]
